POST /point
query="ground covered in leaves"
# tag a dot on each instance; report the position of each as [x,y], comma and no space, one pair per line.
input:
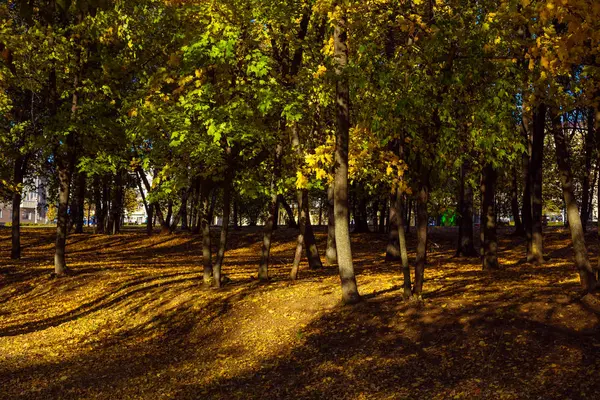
[135,322]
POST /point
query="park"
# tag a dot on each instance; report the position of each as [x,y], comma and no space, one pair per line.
[307,199]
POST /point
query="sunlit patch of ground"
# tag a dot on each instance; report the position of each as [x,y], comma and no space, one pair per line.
[134,321]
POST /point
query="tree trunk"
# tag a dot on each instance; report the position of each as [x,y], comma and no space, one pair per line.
[80,201]
[514,204]
[99,195]
[116,207]
[466,245]
[407,293]
[211,210]
[195,207]
[537,156]
[588,171]
[288,210]
[224,229]
[276,215]
[18,177]
[488,219]
[263,268]
[392,252]
[422,222]
[342,232]
[184,211]
[331,252]
[302,215]
[587,275]
[205,228]
[312,252]
[361,225]
[147,207]
[236,221]
[526,209]
[383,211]
[375,209]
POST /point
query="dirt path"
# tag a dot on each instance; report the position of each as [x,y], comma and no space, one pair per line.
[135,322]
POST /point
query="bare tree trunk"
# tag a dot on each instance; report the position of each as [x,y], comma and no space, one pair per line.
[236,221]
[422,222]
[184,211]
[331,252]
[587,275]
[263,268]
[147,207]
[224,229]
[360,216]
[312,252]
[383,211]
[488,221]
[80,200]
[588,172]
[205,228]
[300,240]
[288,210]
[342,232]
[407,292]
[514,204]
[537,156]
[18,177]
[466,245]
[392,252]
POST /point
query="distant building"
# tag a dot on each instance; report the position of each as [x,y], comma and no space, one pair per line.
[34,205]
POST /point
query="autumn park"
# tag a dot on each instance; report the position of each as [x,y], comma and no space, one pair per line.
[299,199]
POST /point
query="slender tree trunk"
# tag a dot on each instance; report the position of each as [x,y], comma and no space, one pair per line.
[288,210]
[374,216]
[116,209]
[312,252]
[331,252]
[65,162]
[537,155]
[64,184]
[263,268]
[342,232]
[514,204]
[526,210]
[587,275]
[100,196]
[224,230]
[300,240]
[422,222]
[588,172]
[276,215]
[211,210]
[392,252]
[236,221]
[488,220]
[596,124]
[383,211]
[80,199]
[360,216]
[147,207]
[184,211]
[320,213]
[466,245]
[407,293]
[18,177]
[164,226]
[205,228]
[195,208]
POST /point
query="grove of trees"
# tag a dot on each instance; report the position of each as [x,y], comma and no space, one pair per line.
[380,111]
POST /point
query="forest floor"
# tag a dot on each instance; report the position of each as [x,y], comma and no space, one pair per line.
[134,321]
